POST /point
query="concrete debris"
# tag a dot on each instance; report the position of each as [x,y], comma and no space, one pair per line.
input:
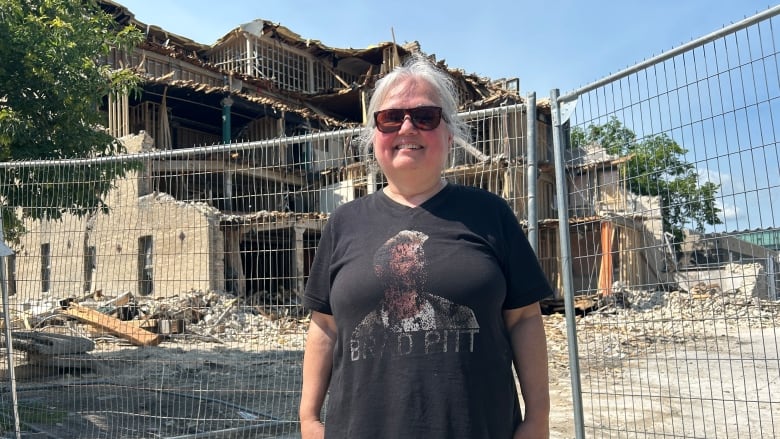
[651,320]
[49,353]
[277,318]
[609,332]
[748,279]
[44,343]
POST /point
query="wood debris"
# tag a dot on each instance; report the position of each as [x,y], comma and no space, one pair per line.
[134,334]
[149,321]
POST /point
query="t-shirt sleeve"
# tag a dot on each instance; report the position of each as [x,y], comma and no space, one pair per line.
[316,296]
[526,282]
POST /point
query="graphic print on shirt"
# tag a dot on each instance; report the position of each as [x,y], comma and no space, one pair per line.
[409,319]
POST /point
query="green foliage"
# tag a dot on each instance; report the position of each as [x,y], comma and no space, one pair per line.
[53,81]
[655,166]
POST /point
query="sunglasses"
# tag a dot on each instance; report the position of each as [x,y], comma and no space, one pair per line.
[423,118]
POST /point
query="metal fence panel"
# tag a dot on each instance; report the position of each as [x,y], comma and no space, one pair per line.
[169,307]
[673,170]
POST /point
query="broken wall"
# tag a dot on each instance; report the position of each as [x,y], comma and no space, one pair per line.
[154,244]
[176,246]
[749,279]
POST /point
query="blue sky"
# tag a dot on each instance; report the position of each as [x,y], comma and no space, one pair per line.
[548,44]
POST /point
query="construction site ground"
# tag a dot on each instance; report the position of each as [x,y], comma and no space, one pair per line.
[654,362]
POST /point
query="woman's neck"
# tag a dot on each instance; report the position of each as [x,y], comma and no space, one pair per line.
[413,196]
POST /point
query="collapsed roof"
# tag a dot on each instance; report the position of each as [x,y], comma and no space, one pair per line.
[337,104]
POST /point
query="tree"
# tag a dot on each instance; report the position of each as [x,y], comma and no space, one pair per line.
[53,81]
[656,166]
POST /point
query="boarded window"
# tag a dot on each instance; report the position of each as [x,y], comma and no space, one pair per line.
[90,265]
[145,266]
[45,267]
[11,271]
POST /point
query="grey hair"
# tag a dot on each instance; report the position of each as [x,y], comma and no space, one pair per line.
[418,67]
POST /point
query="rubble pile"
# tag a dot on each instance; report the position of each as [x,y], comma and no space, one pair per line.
[646,321]
[275,325]
[617,328]
[147,321]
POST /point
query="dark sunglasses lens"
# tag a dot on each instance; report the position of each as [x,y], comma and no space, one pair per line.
[389,120]
[425,118]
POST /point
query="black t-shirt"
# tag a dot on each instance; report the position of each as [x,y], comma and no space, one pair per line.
[417,295]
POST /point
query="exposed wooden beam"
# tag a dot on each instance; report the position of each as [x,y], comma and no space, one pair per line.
[335,75]
[135,335]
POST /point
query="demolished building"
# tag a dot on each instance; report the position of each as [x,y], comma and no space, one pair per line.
[248,213]
[246,146]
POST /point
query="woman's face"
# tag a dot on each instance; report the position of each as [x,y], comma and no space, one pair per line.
[411,152]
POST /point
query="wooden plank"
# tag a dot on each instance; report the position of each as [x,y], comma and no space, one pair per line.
[134,334]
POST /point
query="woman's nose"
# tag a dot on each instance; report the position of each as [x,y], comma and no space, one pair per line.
[407,125]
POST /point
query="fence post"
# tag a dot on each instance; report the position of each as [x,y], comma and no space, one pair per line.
[532,171]
[566,263]
[771,277]
[5,251]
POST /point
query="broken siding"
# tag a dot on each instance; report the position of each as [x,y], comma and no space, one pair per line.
[547,205]
[642,257]
[582,201]
[586,253]
[548,256]
[611,190]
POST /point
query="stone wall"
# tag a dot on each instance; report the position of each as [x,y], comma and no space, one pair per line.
[104,251]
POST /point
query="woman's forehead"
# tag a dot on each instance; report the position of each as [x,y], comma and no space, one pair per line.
[412,92]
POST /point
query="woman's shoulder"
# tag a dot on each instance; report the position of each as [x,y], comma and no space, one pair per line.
[473,194]
[353,209]
[482,205]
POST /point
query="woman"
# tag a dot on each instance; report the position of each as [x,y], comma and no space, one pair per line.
[424,294]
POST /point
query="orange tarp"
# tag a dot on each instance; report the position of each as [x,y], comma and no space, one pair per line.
[605,271]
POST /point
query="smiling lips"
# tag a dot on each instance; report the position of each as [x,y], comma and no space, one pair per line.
[406,146]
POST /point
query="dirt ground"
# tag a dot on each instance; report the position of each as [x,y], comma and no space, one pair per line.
[671,365]
[642,371]
[166,391]
[156,392]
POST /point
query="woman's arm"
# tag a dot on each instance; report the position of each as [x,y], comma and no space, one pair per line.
[526,332]
[317,366]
